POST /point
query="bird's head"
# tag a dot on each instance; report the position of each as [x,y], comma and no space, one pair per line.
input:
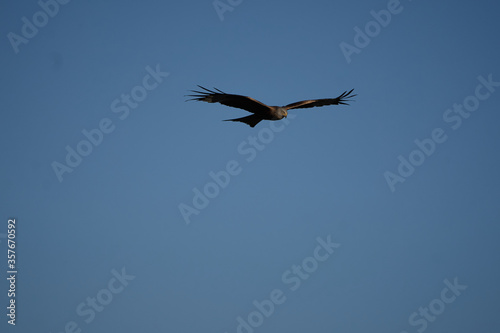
[282,112]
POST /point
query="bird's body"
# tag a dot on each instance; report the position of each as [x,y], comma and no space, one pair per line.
[278,112]
[260,110]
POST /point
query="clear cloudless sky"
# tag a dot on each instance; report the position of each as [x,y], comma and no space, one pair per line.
[104,247]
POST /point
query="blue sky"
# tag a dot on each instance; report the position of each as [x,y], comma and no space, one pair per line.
[380,216]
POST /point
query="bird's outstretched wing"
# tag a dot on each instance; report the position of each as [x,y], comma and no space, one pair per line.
[236,101]
[342,99]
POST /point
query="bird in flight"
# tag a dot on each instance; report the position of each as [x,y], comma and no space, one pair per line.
[260,110]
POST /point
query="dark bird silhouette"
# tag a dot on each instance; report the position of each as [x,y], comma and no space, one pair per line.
[260,110]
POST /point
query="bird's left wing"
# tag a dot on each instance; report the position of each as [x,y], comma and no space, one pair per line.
[342,99]
[236,101]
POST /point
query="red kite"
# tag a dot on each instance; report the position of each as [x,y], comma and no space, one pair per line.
[260,110]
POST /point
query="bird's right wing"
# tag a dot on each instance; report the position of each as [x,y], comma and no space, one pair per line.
[344,98]
[236,101]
